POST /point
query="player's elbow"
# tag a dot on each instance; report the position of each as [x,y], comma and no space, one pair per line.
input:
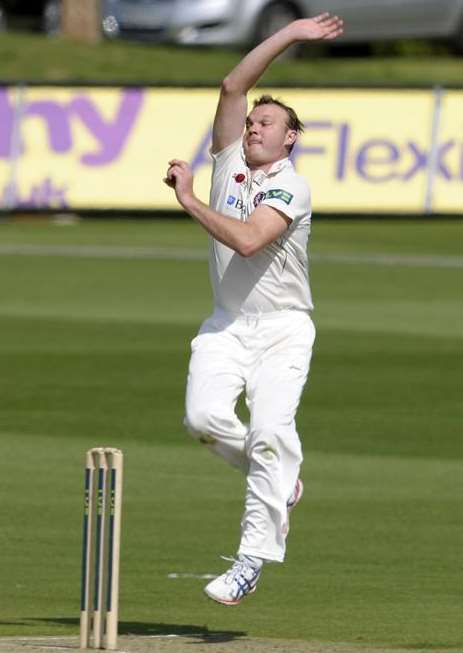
[230,86]
[248,248]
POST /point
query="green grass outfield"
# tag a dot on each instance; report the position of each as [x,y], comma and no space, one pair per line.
[95,322]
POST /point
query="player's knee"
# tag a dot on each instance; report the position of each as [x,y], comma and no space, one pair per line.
[198,421]
[271,442]
[263,445]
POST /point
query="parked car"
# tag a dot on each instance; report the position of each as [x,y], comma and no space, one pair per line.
[242,23]
[245,22]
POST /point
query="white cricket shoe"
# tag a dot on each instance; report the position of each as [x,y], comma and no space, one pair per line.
[292,503]
[236,583]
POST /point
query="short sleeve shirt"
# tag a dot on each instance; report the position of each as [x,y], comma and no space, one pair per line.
[275,278]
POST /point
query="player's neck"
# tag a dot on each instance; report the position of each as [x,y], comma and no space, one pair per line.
[265,167]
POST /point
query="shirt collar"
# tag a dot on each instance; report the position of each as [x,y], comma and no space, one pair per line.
[279,165]
[260,176]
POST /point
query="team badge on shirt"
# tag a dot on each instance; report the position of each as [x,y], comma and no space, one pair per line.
[239,177]
[279,194]
[258,198]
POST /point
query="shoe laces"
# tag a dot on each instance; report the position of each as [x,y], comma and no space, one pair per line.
[240,567]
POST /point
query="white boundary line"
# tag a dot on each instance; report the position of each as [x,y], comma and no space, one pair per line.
[191,254]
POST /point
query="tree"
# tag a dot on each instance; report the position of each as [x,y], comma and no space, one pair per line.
[81,20]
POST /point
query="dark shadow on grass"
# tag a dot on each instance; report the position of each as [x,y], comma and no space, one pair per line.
[202,633]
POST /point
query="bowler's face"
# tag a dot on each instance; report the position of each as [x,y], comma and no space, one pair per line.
[267,135]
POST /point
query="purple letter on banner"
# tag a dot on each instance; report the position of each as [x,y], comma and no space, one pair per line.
[6,124]
[201,156]
[299,149]
[56,118]
[111,136]
[375,158]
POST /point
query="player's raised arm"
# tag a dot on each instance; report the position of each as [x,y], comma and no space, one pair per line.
[232,107]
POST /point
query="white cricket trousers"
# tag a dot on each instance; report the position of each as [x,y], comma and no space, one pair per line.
[267,356]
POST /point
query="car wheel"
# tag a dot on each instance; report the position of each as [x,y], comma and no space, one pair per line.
[273,18]
[51,17]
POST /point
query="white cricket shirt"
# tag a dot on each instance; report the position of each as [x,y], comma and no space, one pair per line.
[276,278]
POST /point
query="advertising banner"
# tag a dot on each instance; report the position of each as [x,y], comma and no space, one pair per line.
[448,178]
[107,148]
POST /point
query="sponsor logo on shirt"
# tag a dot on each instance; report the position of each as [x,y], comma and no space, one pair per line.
[236,202]
[279,194]
[258,198]
[239,177]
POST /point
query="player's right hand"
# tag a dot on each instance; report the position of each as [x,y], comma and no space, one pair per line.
[169,179]
[180,177]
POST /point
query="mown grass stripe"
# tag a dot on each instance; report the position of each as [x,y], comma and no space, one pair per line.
[192,254]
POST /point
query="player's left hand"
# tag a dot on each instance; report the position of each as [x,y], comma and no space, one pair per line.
[180,177]
[323,27]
